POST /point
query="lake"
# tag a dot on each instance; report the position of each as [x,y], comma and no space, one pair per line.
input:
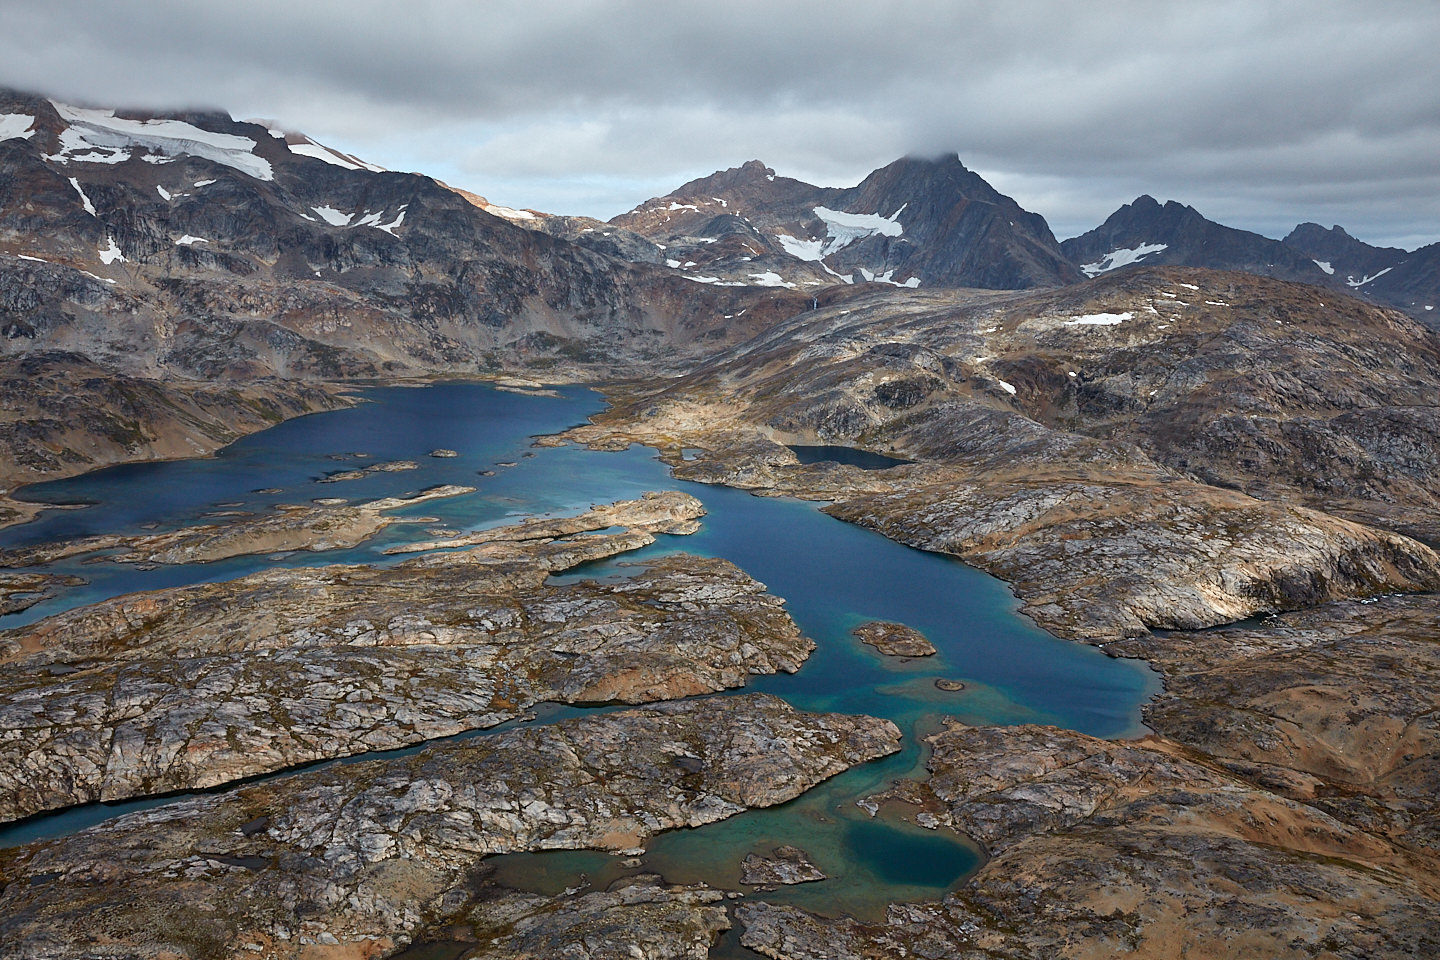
[832,575]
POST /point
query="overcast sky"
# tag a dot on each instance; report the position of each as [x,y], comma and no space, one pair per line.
[1259,113]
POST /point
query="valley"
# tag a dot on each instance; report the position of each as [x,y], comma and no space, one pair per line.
[386,572]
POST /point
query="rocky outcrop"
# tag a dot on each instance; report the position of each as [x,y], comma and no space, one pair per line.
[21,591]
[1101,848]
[201,685]
[667,512]
[316,528]
[894,639]
[640,918]
[1101,560]
[362,857]
[784,866]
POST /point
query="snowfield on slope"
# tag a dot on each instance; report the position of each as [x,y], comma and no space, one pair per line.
[98,136]
[1116,259]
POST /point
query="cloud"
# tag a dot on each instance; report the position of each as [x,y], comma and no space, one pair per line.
[1268,112]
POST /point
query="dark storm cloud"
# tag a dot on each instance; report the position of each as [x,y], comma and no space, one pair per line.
[1258,113]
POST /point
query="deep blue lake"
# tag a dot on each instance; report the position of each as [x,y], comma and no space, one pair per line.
[832,575]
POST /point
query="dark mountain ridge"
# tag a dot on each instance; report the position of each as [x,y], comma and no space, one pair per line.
[914,222]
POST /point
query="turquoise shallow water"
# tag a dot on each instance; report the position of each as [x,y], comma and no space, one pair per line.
[832,575]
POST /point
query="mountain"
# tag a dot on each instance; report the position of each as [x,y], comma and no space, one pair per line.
[188,248]
[197,244]
[916,222]
[1150,233]
[1388,275]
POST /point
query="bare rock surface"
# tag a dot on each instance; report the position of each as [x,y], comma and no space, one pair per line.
[329,525]
[894,639]
[201,685]
[1082,443]
[785,865]
[669,511]
[1108,558]
[639,918]
[362,857]
[1335,707]
[1102,849]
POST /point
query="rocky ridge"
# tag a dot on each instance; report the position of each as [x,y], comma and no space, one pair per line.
[197,686]
[357,860]
[1080,442]
[290,528]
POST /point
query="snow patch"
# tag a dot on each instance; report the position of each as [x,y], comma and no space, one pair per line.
[203,183]
[89,207]
[309,148]
[1008,388]
[164,194]
[1357,284]
[1189,286]
[672,264]
[373,220]
[337,218]
[186,240]
[845,228]
[1100,319]
[770,279]
[1325,265]
[717,281]
[510,213]
[16,126]
[801,249]
[333,217]
[110,253]
[886,277]
[682,206]
[98,136]
[32,259]
[1120,258]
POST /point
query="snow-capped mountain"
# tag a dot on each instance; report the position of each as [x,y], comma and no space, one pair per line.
[1146,232]
[915,222]
[1399,278]
[1150,233]
[197,245]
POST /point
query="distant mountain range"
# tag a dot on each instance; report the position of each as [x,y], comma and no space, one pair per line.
[194,245]
[1150,233]
[935,223]
[199,245]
